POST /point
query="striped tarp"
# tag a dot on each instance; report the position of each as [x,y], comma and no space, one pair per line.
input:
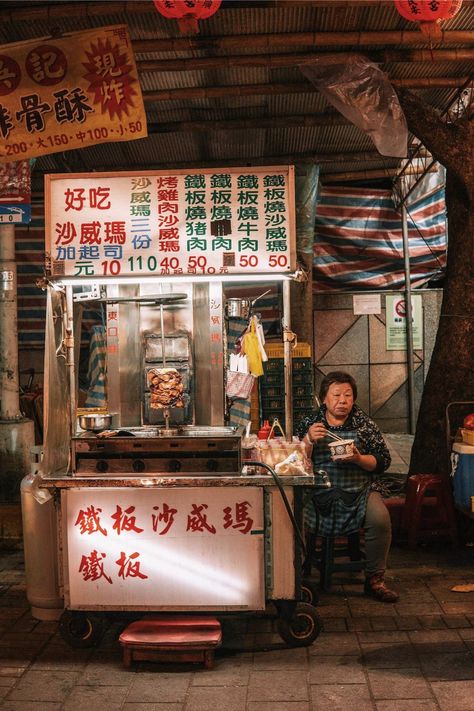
[358,239]
[29,245]
[29,250]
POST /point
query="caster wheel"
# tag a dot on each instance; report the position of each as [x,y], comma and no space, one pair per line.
[309,592]
[82,629]
[303,627]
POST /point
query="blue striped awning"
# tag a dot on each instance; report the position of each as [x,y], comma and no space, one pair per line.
[358,238]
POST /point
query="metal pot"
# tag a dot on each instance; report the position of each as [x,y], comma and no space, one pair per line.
[96,422]
[240,308]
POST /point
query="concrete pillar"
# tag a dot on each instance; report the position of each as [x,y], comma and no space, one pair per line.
[16,432]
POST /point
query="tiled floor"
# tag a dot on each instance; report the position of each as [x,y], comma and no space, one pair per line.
[416,655]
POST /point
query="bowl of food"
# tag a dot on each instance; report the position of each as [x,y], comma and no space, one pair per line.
[341,449]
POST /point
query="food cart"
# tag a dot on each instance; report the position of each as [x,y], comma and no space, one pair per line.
[154,507]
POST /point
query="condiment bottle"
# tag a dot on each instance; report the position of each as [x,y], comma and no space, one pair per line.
[264,430]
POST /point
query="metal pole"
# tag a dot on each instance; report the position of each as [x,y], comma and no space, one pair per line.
[9,380]
[409,323]
[68,336]
[287,361]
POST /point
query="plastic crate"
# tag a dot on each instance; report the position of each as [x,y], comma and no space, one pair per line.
[273,365]
[271,414]
[302,391]
[302,403]
[300,364]
[276,350]
[303,376]
[272,379]
[273,403]
[272,390]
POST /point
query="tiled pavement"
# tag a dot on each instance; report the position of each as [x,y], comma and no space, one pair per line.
[417,655]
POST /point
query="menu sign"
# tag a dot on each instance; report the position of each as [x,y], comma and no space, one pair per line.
[199,547]
[200,222]
[69,92]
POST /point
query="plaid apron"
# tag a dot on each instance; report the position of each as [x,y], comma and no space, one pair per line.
[344,515]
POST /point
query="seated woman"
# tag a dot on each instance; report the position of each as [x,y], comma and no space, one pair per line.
[354,501]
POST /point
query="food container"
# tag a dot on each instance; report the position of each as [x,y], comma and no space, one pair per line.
[95,422]
[341,449]
[238,308]
[467,436]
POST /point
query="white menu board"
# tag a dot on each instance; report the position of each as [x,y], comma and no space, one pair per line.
[196,222]
[164,548]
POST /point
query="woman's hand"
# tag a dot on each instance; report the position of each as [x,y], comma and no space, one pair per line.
[316,432]
[364,461]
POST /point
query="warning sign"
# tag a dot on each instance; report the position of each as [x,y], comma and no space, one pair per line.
[396,325]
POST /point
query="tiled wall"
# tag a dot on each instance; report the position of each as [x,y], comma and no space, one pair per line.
[356,344]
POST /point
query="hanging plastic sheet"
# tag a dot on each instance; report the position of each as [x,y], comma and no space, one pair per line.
[363,94]
[306,183]
[56,408]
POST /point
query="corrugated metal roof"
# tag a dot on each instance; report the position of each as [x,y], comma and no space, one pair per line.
[257,142]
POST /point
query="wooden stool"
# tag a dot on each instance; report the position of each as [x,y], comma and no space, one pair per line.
[429,511]
[172,638]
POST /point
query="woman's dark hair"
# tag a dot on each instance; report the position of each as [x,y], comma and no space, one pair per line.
[337,376]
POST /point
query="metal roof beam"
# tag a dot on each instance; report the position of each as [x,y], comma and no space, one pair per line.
[215,92]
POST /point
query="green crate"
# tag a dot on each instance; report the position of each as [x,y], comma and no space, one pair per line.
[303,376]
[268,391]
[304,364]
[273,403]
[302,403]
[274,365]
[272,379]
[303,391]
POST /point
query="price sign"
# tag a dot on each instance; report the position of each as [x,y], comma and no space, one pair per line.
[207,222]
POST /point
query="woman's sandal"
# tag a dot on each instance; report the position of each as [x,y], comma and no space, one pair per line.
[375,587]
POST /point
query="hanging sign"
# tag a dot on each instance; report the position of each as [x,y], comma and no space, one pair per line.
[71,92]
[196,222]
[189,547]
[396,323]
[15,192]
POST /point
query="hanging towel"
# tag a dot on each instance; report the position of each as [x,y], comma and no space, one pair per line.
[239,411]
[96,375]
[251,348]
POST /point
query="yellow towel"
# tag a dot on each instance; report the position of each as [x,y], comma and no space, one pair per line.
[251,348]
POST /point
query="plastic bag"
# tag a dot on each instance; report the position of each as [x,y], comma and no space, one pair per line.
[362,92]
[277,451]
[239,384]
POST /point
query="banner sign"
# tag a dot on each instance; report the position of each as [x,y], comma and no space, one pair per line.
[71,92]
[224,221]
[193,547]
[396,322]
[15,192]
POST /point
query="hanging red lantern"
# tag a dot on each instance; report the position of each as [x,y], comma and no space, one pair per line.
[428,13]
[187,12]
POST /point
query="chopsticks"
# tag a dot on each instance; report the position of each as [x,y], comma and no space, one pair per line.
[338,439]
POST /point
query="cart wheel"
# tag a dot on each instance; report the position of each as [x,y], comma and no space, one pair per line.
[82,629]
[303,627]
[309,592]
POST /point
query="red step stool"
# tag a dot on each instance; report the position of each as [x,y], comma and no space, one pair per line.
[429,510]
[171,638]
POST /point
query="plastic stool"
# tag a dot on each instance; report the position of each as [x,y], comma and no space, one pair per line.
[429,510]
[172,638]
[332,548]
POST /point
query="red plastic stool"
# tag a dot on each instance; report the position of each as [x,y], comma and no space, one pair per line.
[171,638]
[429,510]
